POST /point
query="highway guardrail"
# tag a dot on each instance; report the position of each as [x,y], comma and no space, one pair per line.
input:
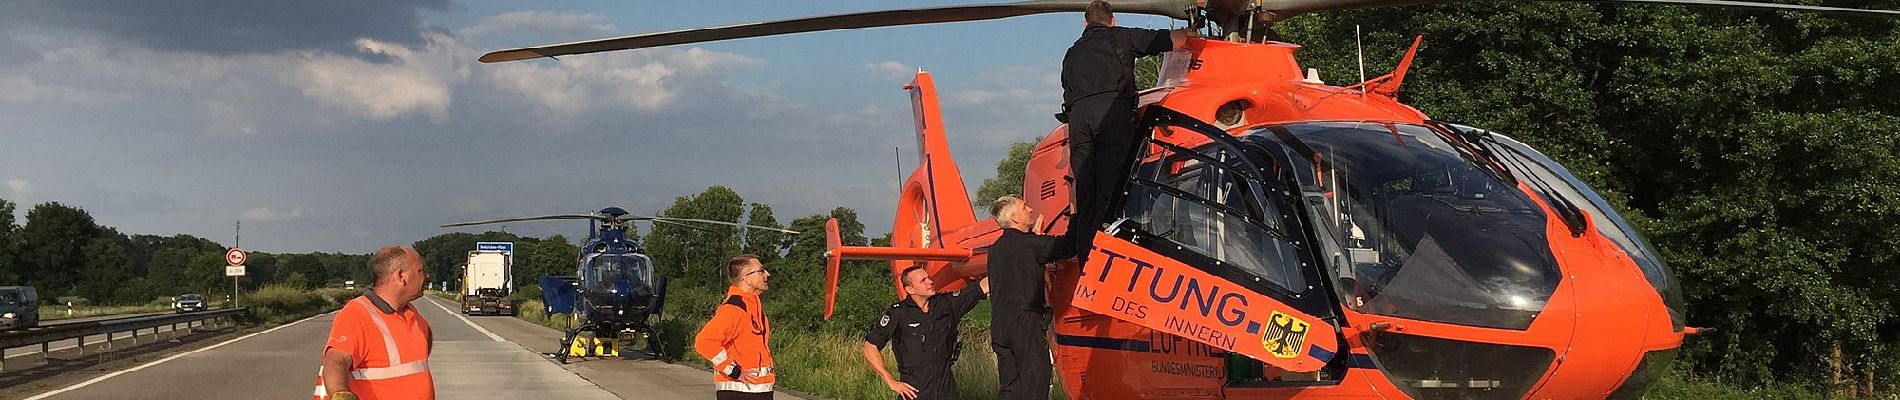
[43,336]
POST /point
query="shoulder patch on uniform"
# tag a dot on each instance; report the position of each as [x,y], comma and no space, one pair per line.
[735,301]
[884,320]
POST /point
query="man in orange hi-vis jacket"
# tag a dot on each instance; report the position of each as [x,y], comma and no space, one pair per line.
[734,341]
[379,344]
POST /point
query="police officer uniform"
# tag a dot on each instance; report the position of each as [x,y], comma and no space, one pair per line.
[926,343]
[1098,103]
[1020,314]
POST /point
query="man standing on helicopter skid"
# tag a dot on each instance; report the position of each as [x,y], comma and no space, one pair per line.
[1098,104]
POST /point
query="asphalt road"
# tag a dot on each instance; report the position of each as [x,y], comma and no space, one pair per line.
[474,358]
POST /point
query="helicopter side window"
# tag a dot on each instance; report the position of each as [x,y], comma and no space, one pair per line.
[1197,201]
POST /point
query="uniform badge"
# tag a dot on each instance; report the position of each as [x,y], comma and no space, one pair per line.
[884,320]
[1285,335]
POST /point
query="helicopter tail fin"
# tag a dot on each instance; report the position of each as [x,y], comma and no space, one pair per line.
[937,177]
[932,200]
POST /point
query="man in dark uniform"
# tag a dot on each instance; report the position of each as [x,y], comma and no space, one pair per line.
[1098,103]
[1019,321]
[924,326]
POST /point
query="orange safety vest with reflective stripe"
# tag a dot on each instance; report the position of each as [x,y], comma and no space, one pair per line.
[389,351]
[734,341]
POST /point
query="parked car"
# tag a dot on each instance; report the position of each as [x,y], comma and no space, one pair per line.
[19,307]
[189,302]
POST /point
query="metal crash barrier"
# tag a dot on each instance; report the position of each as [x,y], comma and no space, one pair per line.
[44,336]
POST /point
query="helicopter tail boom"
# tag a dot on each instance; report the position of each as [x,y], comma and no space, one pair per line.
[836,253]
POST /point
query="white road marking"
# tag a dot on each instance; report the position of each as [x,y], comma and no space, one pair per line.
[471,324]
[160,361]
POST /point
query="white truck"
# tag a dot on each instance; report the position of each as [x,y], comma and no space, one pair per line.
[487,279]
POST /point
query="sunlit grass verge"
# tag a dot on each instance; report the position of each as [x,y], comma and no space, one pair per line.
[1676,387]
[278,304]
[59,312]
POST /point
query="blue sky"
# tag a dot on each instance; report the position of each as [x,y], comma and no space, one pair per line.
[346,125]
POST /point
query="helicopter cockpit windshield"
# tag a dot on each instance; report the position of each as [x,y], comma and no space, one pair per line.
[617,273]
[1419,226]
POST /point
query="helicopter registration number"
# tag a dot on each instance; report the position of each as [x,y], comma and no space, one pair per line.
[1133,284]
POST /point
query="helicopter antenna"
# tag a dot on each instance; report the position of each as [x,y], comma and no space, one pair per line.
[899,157]
[1360,44]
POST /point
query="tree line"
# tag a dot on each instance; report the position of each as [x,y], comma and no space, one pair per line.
[65,254]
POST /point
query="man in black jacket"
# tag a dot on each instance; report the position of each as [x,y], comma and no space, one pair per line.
[1098,103]
[923,327]
[1020,314]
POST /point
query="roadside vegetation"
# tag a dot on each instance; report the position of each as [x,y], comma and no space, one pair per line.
[59,312]
[279,304]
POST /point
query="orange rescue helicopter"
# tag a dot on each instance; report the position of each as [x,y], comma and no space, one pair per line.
[1284,238]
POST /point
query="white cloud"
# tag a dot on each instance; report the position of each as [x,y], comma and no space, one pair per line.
[891,70]
[19,186]
[415,80]
[267,213]
[549,22]
[644,80]
[237,94]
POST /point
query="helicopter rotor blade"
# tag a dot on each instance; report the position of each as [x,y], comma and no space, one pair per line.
[534,218]
[713,222]
[689,226]
[1177,9]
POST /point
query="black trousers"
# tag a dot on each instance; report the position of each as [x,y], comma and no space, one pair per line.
[738,395]
[938,385]
[1101,149]
[1021,342]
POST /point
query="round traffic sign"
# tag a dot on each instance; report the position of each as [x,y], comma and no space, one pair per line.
[235,256]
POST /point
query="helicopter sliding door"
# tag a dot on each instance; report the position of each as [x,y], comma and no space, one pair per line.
[1207,250]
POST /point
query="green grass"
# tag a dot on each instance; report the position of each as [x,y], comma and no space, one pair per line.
[278,304]
[1677,387]
[58,313]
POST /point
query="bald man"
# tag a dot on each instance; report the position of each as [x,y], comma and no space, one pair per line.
[379,345]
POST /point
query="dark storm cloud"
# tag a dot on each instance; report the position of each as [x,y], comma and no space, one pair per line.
[228,26]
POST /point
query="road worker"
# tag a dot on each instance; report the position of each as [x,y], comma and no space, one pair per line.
[379,345]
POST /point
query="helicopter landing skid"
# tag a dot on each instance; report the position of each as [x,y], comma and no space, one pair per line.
[579,342]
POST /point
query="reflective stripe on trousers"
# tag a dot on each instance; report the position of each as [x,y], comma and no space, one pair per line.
[377,373]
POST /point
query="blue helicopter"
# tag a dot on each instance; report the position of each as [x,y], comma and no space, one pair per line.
[614,294]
